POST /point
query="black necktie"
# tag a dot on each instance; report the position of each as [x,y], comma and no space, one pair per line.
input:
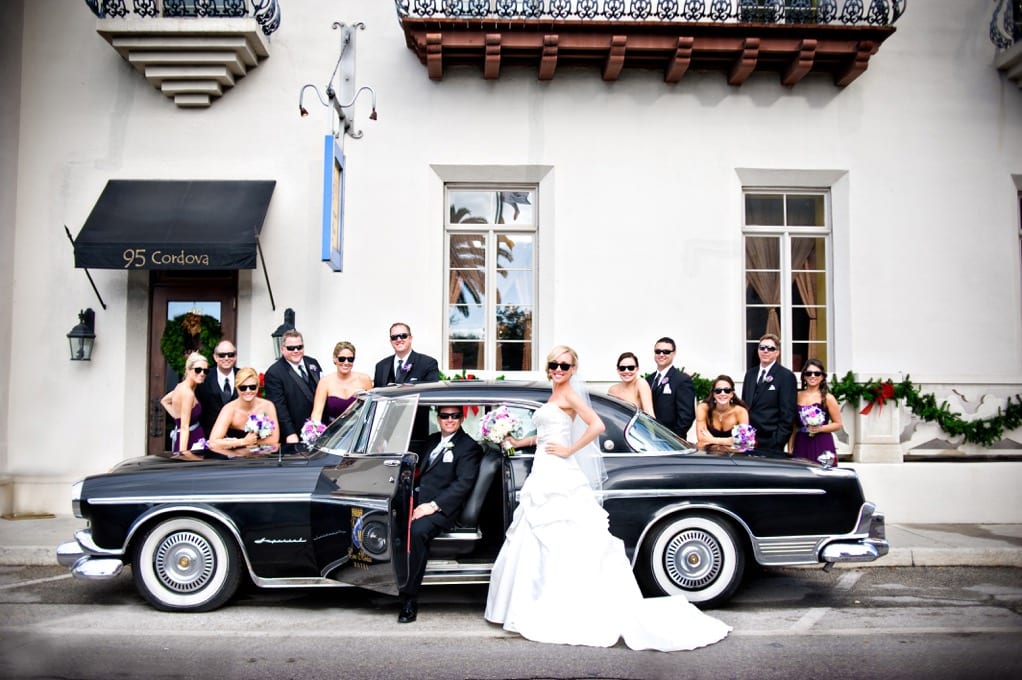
[227,390]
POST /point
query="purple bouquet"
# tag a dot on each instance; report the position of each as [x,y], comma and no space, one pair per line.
[261,424]
[500,423]
[811,415]
[744,436]
[311,430]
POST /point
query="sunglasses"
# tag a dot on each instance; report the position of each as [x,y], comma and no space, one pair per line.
[626,368]
[722,390]
[663,351]
[226,355]
[448,416]
[200,371]
[564,366]
[767,348]
[400,336]
[344,360]
[293,348]
[248,388]
[812,374]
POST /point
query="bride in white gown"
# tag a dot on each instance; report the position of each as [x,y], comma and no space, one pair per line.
[561,576]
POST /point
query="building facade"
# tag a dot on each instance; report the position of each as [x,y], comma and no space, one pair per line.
[515,176]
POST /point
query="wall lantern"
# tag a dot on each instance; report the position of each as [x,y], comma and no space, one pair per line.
[278,335]
[83,335]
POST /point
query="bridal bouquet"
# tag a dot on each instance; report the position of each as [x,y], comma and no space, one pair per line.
[500,423]
[311,430]
[744,436]
[811,415]
[261,424]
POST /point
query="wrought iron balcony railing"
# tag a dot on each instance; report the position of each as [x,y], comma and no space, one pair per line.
[845,12]
[265,12]
[739,37]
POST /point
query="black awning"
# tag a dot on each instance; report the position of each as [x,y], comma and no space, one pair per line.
[172,224]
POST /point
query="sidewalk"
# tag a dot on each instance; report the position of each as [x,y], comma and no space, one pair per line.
[32,541]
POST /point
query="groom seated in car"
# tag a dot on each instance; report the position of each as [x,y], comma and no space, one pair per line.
[447,470]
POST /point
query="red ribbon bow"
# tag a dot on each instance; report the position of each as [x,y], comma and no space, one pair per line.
[881,394]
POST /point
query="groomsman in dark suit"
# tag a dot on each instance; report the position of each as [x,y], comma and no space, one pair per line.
[447,471]
[674,396]
[291,385]
[218,387]
[770,391]
[404,366]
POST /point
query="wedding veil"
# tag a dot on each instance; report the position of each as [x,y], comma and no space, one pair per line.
[589,458]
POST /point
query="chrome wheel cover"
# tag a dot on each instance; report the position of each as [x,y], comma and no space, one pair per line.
[693,559]
[184,562]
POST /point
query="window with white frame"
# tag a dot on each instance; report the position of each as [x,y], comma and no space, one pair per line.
[490,237]
[787,237]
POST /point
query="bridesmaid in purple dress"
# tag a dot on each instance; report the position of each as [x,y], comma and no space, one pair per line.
[185,409]
[819,415]
[336,391]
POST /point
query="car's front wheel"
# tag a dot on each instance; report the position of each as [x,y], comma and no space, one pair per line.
[698,556]
[186,564]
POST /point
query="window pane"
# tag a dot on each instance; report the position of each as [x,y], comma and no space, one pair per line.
[805,211]
[808,253]
[514,287]
[491,207]
[514,322]
[465,354]
[764,209]
[514,356]
[471,207]
[467,281]
[466,321]
[515,250]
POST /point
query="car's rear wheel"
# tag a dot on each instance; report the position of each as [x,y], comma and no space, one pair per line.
[698,556]
[186,564]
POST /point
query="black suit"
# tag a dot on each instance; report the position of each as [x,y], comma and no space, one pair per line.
[448,481]
[772,406]
[674,407]
[211,396]
[291,395]
[421,368]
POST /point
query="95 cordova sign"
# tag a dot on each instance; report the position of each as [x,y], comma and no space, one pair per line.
[145,258]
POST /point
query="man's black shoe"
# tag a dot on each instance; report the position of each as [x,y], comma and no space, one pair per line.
[409,611]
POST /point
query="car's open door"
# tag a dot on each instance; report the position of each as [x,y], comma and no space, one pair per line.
[373,484]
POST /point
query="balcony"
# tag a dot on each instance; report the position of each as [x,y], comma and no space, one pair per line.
[190,50]
[1006,35]
[792,38]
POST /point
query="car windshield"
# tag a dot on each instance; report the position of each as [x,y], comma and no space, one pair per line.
[340,435]
[645,435]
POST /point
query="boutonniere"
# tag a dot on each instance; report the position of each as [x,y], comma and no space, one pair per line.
[406,367]
[768,379]
[448,446]
[663,380]
[313,368]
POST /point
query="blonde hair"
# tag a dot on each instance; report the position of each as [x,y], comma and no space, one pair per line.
[343,344]
[194,358]
[244,374]
[558,351]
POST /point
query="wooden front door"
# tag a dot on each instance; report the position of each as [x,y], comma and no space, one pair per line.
[171,295]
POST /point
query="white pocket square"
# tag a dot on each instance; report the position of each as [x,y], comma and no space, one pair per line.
[667,389]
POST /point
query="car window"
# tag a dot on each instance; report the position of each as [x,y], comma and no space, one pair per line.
[645,435]
[475,413]
[340,436]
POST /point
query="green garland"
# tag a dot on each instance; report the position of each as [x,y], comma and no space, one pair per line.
[189,333]
[985,432]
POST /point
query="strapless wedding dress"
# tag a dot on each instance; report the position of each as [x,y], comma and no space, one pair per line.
[562,577]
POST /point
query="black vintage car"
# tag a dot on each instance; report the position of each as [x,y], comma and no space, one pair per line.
[336,514]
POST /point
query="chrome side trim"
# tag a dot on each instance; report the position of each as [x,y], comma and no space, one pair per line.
[685,493]
[212,498]
[97,568]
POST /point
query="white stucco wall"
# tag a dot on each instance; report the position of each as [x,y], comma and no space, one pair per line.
[642,206]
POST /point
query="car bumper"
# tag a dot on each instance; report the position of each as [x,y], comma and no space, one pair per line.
[87,560]
[872,547]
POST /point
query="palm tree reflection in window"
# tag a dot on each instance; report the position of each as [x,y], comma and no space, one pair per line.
[467,283]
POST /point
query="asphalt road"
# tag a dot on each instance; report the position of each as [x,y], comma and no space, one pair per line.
[789,623]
